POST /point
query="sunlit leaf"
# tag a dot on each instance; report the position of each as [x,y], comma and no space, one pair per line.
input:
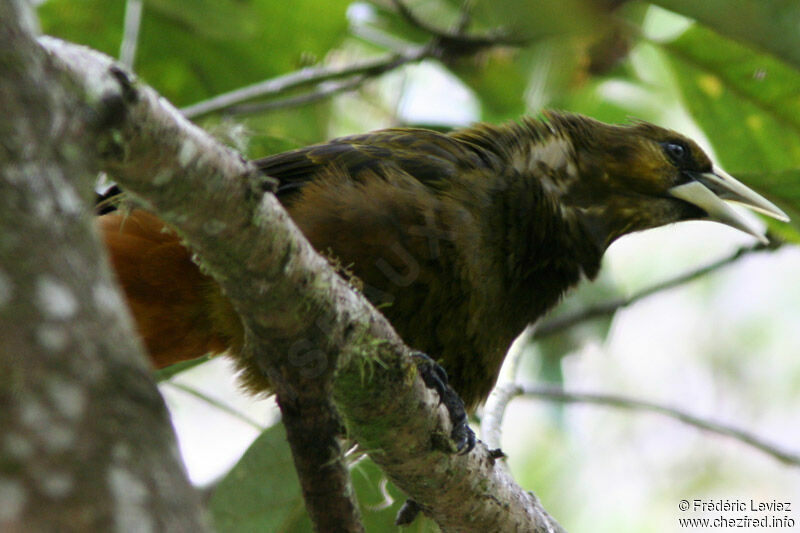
[173,370]
[437,14]
[499,82]
[771,25]
[535,19]
[95,23]
[191,50]
[747,103]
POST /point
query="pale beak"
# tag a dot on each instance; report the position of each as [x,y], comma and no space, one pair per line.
[708,190]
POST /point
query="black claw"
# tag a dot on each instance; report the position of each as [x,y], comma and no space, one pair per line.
[407,513]
[497,453]
[435,377]
[432,373]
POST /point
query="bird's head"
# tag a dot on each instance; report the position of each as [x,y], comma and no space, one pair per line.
[620,179]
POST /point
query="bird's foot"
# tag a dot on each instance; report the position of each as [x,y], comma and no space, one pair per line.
[407,513]
[435,377]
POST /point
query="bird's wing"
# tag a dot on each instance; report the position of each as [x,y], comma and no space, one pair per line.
[430,157]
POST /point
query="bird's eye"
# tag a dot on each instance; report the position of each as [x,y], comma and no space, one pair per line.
[676,151]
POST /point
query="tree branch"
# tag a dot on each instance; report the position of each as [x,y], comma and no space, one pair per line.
[87,442]
[458,42]
[624,402]
[504,391]
[559,324]
[304,77]
[443,45]
[306,329]
[322,91]
[185,175]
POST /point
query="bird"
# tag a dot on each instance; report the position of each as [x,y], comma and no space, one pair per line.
[461,239]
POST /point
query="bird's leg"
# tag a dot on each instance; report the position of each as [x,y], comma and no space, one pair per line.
[435,377]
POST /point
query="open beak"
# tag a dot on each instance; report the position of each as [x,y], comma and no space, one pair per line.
[707,191]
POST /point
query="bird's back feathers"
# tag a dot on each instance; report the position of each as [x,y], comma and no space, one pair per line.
[464,238]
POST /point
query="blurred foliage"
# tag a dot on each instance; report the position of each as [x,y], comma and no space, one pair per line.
[551,349]
[736,71]
[747,104]
[194,49]
[769,25]
[262,493]
[190,50]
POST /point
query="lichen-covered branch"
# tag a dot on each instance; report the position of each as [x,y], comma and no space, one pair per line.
[85,438]
[214,198]
[306,329]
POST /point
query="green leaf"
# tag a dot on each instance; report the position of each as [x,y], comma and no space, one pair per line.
[192,49]
[770,25]
[297,127]
[166,373]
[511,80]
[189,51]
[499,83]
[747,105]
[95,23]
[535,19]
[262,145]
[380,500]
[438,14]
[745,101]
[261,493]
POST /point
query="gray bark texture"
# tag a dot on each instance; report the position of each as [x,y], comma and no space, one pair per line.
[85,439]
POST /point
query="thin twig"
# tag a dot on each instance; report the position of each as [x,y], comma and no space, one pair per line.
[494,411]
[130,38]
[504,391]
[323,90]
[216,403]
[613,400]
[443,45]
[559,324]
[306,76]
[454,43]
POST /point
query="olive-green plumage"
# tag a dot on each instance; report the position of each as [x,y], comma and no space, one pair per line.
[468,237]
